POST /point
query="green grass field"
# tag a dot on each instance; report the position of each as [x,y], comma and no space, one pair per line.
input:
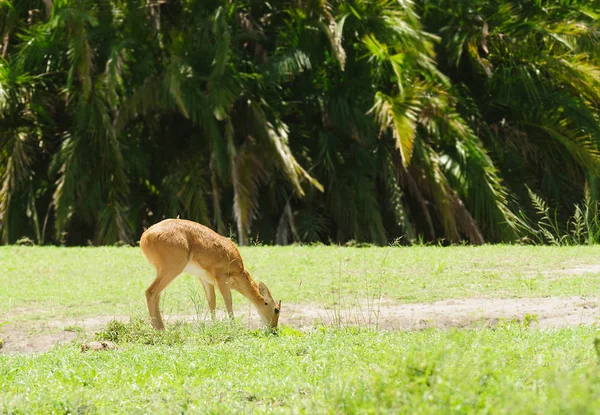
[226,367]
[55,282]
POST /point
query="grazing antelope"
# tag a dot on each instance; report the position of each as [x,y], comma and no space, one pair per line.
[174,246]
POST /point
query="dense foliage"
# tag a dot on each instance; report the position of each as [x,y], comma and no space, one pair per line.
[304,120]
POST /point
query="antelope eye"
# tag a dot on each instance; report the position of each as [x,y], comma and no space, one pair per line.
[276,311]
[266,303]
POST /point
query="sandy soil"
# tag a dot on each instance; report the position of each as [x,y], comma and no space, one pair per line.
[543,313]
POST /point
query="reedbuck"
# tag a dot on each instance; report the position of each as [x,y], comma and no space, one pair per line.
[174,246]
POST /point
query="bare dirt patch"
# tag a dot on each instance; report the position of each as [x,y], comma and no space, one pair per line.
[542,313]
[578,270]
[28,337]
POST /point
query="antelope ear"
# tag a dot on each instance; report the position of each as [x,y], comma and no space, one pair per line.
[264,291]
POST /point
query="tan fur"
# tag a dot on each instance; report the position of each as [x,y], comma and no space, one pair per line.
[175,245]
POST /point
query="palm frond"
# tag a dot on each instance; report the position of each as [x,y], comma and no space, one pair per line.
[16,175]
[114,72]
[395,198]
[287,225]
[65,165]
[75,19]
[581,146]
[312,225]
[400,116]
[146,98]
[247,174]
[278,140]
[113,225]
[216,198]
[187,189]
[434,184]
[286,65]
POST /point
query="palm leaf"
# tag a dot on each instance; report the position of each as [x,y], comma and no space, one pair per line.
[287,225]
[247,173]
[400,116]
[395,197]
[277,137]
[16,177]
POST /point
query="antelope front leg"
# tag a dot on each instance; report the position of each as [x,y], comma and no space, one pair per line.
[225,290]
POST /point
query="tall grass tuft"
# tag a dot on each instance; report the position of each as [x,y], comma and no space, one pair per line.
[583,228]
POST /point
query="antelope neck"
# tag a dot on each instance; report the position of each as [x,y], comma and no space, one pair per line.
[249,289]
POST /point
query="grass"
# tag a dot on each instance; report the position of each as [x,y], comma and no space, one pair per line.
[52,282]
[225,368]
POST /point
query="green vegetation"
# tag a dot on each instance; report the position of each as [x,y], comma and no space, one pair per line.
[364,120]
[352,122]
[224,368]
[50,282]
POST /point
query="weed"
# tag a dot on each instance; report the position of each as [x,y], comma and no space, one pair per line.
[360,305]
[75,329]
[530,319]
[198,300]
[139,331]
[582,228]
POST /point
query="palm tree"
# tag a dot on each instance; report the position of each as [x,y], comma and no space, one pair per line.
[299,121]
[21,135]
[212,81]
[395,156]
[66,117]
[527,79]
